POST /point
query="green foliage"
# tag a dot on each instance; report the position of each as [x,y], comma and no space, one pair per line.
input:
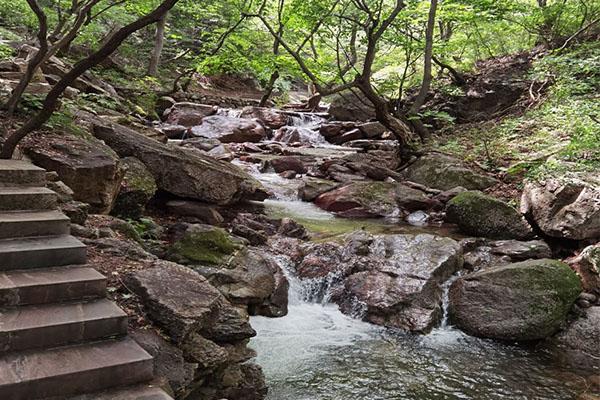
[560,134]
[5,51]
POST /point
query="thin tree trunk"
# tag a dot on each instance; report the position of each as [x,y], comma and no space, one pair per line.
[159,41]
[269,89]
[35,62]
[421,129]
[427,76]
[51,101]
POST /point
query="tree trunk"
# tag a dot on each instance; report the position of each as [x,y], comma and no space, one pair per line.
[427,76]
[420,128]
[51,101]
[269,89]
[34,63]
[159,41]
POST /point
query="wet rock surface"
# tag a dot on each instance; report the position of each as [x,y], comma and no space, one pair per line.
[528,300]
[229,129]
[372,199]
[480,215]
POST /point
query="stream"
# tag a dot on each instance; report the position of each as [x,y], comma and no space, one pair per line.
[317,353]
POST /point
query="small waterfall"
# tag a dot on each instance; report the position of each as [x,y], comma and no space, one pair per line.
[313,291]
[446,299]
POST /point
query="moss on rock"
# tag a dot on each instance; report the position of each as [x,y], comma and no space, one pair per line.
[204,244]
[528,300]
[478,214]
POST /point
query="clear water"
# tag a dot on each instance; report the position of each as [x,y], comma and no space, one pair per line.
[317,353]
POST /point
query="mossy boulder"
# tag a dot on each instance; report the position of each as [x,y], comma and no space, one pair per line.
[478,214]
[442,172]
[137,188]
[204,244]
[522,301]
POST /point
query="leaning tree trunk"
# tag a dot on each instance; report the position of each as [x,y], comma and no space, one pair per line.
[51,101]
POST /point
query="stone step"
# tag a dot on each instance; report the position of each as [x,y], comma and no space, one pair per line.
[141,392]
[19,224]
[51,325]
[68,371]
[40,252]
[21,173]
[50,285]
[27,198]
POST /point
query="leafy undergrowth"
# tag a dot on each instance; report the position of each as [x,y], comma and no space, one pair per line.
[558,132]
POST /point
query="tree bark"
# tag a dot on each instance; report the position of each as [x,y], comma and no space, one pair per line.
[51,101]
[159,41]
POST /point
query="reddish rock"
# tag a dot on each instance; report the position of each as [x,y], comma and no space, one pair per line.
[282,164]
[230,129]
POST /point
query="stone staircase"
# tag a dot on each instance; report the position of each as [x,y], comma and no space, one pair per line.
[60,338]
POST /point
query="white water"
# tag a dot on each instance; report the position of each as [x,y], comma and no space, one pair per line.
[317,353]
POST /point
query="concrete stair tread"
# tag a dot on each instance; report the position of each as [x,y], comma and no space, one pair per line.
[18,165]
[25,190]
[18,224]
[32,216]
[55,371]
[51,325]
[17,173]
[39,243]
[48,285]
[31,317]
[140,392]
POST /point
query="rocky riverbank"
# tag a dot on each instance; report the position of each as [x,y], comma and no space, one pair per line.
[207,204]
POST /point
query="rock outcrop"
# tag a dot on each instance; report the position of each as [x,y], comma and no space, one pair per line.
[564,208]
[442,172]
[92,170]
[523,301]
[180,172]
[478,214]
[587,266]
[203,324]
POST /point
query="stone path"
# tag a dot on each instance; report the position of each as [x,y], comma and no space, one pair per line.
[60,338]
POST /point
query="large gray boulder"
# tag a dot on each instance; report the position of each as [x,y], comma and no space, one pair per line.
[372,199]
[351,106]
[188,114]
[397,279]
[229,129]
[443,172]
[568,207]
[92,170]
[478,214]
[389,280]
[183,173]
[522,301]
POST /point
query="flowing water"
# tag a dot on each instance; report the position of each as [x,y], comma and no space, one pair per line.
[317,353]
